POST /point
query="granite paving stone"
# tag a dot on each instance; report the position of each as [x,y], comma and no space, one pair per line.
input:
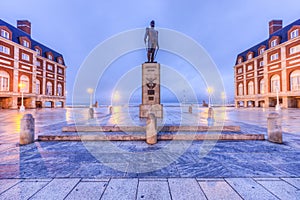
[293,181]
[87,190]
[158,190]
[22,190]
[190,186]
[7,183]
[281,189]
[56,189]
[120,189]
[218,190]
[247,188]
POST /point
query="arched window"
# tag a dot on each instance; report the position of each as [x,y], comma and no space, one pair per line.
[250,88]
[4,81]
[24,84]
[275,83]
[262,86]
[49,88]
[240,90]
[59,89]
[38,86]
[295,80]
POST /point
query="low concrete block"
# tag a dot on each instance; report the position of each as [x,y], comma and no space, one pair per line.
[274,128]
[27,129]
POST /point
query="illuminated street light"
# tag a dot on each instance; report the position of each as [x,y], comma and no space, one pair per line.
[209,91]
[22,107]
[90,91]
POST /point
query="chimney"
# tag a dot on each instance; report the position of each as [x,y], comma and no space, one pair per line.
[274,26]
[24,25]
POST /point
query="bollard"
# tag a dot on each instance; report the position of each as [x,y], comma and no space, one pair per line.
[27,129]
[151,129]
[210,117]
[91,113]
[274,128]
[190,109]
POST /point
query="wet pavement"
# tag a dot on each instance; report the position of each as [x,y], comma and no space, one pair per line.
[70,169]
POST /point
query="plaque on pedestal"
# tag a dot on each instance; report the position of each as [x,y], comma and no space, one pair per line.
[151,90]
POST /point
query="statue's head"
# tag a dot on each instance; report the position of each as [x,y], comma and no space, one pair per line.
[152,23]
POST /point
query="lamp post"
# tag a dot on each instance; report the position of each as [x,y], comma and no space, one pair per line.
[223,96]
[90,91]
[22,107]
[209,91]
[277,96]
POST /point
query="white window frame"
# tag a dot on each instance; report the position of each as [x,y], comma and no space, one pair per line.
[295,49]
[38,63]
[50,57]
[50,67]
[275,83]
[295,80]
[274,57]
[25,57]
[60,70]
[5,49]
[4,81]
[249,67]
[262,86]
[59,89]
[294,33]
[240,70]
[240,89]
[38,86]
[239,60]
[261,63]
[49,88]
[250,56]
[261,51]
[274,43]
[25,43]
[38,51]
[251,88]
[5,34]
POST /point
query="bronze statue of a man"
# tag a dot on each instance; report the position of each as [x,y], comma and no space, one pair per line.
[151,37]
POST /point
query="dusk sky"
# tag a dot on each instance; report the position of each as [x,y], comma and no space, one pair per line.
[222,28]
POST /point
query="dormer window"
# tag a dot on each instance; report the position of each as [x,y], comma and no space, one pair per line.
[60,61]
[294,33]
[25,43]
[50,57]
[250,56]
[240,60]
[273,43]
[38,52]
[261,51]
[5,34]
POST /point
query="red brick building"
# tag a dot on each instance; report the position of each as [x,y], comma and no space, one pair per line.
[269,68]
[30,67]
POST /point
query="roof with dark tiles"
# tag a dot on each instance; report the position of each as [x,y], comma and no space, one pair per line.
[17,33]
[282,33]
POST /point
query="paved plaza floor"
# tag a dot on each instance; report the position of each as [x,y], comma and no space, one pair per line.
[135,170]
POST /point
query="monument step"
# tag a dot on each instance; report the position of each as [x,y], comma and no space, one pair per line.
[142,137]
[143,129]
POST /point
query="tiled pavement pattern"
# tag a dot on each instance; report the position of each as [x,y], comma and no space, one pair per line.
[148,188]
[125,170]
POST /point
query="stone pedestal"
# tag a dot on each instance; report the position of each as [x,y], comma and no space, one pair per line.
[151,91]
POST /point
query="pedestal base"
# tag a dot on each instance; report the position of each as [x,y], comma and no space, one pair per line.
[156,109]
